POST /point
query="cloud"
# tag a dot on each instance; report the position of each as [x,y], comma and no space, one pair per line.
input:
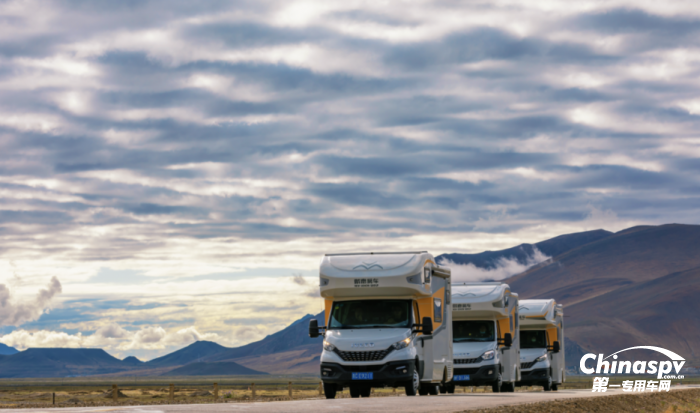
[16,314]
[299,279]
[111,337]
[503,268]
[206,154]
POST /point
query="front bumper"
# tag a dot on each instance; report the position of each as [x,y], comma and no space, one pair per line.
[390,374]
[478,376]
[533,377]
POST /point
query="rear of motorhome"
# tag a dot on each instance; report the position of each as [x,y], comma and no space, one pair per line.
[486,344]
[388,323]
[541,336]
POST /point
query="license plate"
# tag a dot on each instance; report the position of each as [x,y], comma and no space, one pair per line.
[463,377]
[362,376]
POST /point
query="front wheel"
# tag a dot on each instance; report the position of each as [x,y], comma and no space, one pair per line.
[329,390]
[450,388]
[433,389]
[548,385]
[496,387]
[508,387]
[354,392]
[555,387]
[365,392]
[414,385]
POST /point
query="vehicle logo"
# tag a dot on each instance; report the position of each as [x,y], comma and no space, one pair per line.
[368,266]
[362,345]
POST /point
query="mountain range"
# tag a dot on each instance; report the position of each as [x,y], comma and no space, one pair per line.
[630,288]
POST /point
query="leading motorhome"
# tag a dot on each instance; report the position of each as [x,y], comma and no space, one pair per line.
[485,336]
[541,335]
[388,323]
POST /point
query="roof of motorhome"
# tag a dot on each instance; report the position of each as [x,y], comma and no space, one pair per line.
[378,253]
[537,308]
[386,264]
[480,291]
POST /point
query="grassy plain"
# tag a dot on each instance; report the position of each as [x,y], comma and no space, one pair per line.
[97,391]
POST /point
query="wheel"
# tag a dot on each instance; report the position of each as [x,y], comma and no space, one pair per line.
[423,390]
[329,390]
[450,388]
[548,384]
[443,389]
[354,392]
[496,387]
[414,385]
[433,389]
[555,387]
[508,387]
[365,391]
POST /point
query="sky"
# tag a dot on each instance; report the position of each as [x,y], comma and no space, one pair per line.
[172,171]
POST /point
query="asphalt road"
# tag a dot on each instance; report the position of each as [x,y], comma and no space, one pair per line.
[441,403]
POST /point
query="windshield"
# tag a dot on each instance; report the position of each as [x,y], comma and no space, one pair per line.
[371,314]
[473,331]
[533,339]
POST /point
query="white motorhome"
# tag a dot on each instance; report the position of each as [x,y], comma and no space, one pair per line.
[388,323]
[485,336]
[541,335]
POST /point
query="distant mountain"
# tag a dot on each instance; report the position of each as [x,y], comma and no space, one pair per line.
[636,287]
[6,350]
[196,351]
[523,252]
[132,361]
[212,369]
[59,362]
[294,336]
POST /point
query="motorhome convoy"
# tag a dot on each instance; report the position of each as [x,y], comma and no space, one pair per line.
[541,335]
[388,323]
[485,329]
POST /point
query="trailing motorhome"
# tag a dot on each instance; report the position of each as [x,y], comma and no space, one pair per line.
[486,345]
[388,323]
[541,336]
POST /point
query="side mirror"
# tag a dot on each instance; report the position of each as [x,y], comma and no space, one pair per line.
[507,340]
[427,325]
[313,328]
[556,347]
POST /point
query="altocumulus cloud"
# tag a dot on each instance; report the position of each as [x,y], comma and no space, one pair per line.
[195,152]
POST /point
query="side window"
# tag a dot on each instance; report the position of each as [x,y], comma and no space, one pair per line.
[437,304]
[426,278]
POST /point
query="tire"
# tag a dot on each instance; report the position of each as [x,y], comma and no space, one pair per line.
[354,392]
[450,388]
[414,385]
[329,390]
[365,391]
[423,391]
[548,384]
[508,387]
[434,389]
[555,387]
[497,386]
[443,390]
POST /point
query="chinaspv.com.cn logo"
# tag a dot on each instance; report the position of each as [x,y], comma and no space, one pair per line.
[610,365]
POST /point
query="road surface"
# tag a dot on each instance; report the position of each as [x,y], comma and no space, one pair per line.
[441,403]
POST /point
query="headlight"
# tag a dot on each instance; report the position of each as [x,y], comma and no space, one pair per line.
[488,355]
[328,346]
[402,344]
[541,358]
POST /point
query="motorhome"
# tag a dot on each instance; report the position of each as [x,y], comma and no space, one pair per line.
[388,323]
[541,335]
[485,336]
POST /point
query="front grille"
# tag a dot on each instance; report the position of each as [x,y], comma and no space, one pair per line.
[363,355]
[527,365]
[467,361]
[459,372]
[357,369]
